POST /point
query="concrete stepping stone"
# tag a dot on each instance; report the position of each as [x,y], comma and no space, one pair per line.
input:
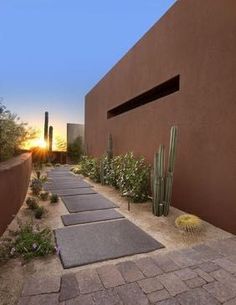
[94,242]
[87,202]
[73,192]
[91,216]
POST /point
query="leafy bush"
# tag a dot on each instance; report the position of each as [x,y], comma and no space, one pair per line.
[44,196]
[57,165]
[38,213]
[125,172]
[13,134]
[54,198]
[36,186]
[32,203]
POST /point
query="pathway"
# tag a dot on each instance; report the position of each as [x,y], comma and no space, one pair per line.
[199,275]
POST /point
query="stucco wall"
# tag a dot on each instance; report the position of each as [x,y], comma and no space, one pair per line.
[195,40]
[14,181]
[74,131]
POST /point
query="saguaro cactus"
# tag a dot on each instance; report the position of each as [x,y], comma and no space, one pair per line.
[163,181]
[50,138]
[46,127]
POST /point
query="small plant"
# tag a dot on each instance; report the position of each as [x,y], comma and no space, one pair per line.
[38,213]
[57,165]
[44,196]
[54,198]
[28,241]
[189,223]
[32,241]
[76,170]
[32,203]
[48,164]
[36,186]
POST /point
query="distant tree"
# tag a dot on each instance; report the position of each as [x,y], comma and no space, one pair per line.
[75,150]
[60,144]
[13,133]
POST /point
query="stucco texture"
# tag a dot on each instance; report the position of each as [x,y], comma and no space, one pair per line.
[14,181]
[195,40]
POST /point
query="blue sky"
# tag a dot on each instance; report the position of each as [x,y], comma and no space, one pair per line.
[52,52]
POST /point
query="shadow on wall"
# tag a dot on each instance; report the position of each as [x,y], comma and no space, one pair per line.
[14,181]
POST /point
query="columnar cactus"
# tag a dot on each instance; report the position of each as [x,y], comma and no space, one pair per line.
[50,138]
[46,127]
[163,181]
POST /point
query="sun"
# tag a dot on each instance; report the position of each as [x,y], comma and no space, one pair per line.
[41,143]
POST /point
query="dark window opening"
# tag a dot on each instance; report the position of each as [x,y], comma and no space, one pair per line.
[168,87]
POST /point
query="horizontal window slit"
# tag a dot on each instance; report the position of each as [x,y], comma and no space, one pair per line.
[168,87]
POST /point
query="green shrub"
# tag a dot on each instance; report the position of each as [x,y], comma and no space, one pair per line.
[44,196]
[128,174]
[38,213]
[32,203]
[54,198]
[36,186]
[57,165]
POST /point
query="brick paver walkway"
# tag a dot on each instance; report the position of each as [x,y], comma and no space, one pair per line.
[201,275]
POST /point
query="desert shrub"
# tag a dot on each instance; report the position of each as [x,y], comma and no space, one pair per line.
[132,177]
[57,165]
[44,196]
[32,203]
[125,172]
[76,169]
[36,186]
[38,213]
[54,198]
[28,241]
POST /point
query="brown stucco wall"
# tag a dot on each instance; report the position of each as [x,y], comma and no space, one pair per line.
[14,181]
[196,40]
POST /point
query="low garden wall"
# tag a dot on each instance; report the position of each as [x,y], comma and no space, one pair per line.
[14,181]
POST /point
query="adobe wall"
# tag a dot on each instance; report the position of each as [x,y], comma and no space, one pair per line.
[195,40]
[14,181]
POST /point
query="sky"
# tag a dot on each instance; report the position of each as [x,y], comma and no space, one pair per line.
[52,52]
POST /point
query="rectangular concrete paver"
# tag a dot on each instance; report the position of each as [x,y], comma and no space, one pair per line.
[69,287]
[80,300]
[206,276]
[186,274]
[148,267]
[172,283]
[224,277]
[197,296]
[130,271]
[38,285]
[108,297]
[170,301]
[165,263]
[110,276]
[208,267]
[231,302]
[42,299]
[150,285]
[226,264]
[220,291]
[88,281]
[131,294]
[158,296]
[195,282]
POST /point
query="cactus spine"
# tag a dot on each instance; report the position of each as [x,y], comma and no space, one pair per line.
[46,128]
[50,138]
[162,182]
